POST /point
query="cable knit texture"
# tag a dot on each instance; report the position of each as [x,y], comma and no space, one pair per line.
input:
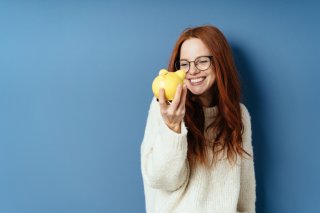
[170,186]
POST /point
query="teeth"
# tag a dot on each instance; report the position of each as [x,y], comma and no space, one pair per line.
[196,80]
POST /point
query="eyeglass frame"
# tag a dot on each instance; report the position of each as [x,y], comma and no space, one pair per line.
[195,65]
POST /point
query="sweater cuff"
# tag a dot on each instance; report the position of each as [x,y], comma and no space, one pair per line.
[172,141]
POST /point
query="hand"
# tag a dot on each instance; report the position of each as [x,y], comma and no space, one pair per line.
[173,113]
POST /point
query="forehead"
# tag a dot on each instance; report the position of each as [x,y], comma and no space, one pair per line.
[193,48]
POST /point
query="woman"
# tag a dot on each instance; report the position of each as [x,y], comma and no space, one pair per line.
[196,154]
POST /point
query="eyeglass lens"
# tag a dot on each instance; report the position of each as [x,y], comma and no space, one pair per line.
[201,63]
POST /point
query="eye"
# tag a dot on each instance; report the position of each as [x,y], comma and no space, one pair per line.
[183,63]
[204,61]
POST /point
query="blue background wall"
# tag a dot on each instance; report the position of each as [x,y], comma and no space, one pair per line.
[75,87]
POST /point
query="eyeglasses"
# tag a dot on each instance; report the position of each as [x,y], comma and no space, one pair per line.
[202,63]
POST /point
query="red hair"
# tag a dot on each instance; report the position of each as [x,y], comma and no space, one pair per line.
[226,94]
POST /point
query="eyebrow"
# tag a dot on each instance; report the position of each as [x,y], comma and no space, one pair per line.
[195,58]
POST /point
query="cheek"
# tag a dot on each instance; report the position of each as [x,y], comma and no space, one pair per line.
[212,79]
[189,87]
[188,84]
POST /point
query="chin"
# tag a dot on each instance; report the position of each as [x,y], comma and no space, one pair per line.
[196,91]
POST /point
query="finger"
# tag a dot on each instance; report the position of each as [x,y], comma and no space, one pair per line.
[162,99]
[183,97]
[177,96]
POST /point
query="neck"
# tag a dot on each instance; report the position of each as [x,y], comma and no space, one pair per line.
[208,101]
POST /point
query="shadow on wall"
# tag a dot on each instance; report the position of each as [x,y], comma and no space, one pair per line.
[252,97]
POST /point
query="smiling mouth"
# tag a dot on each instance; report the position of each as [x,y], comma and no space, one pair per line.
[196,81]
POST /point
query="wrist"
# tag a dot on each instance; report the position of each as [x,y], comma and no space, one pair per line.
[176,127]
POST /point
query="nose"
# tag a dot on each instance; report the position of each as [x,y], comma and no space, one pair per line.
[193,69]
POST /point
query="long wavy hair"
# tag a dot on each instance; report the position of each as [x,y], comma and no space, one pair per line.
[227,125]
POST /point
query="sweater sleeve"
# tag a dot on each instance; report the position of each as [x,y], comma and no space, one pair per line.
[164,163]
[247,196]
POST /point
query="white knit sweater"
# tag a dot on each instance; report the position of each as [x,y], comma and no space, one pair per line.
[171,187]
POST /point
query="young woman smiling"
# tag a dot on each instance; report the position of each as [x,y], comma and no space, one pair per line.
[197,154]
